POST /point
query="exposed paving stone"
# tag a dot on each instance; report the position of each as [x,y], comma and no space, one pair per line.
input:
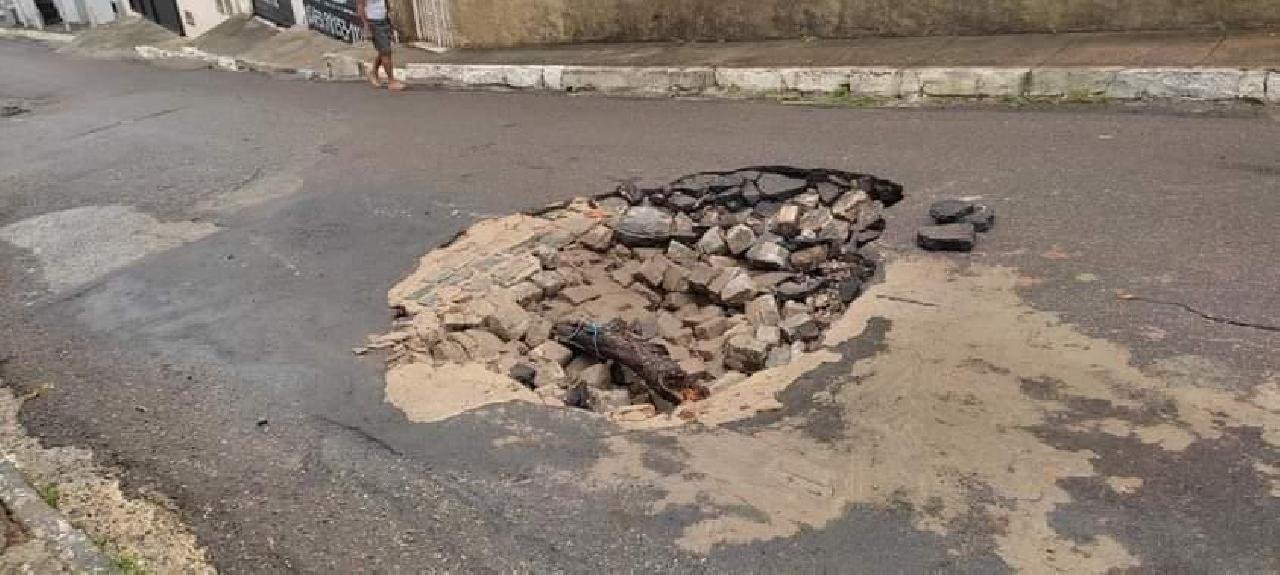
[681,254]
[800,327]
[769,255]
[707,292]
[778,355]
[711,328]
[763,310]
[745,353]
[950,211]
[653,270]
[769,334]
[644,226]
[786,222]
[713,242]
[599,238]
[596,376]
[983,218]
[738,290]
[847,205]
[947,237]
[549,281]
[739,239]
[553,352]
[809,258]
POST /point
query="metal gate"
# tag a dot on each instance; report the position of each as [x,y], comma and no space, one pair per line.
[278,11]
[433,22]
[162,12]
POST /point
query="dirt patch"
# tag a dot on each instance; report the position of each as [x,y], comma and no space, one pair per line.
[941,415]
[144,532]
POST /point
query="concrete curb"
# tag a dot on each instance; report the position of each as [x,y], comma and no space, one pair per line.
[41,35]
[72,546]
[1083,83]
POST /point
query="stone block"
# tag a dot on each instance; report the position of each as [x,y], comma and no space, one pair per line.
[644,226]
[539,332]
[809,258]
[651,79]
[524,373]
[769,334]
[875,82]
[791,309]
[836,232]
[676,279]
[768,255]
[552,351]
[711,328]
[815,79]
[779,187]
[1193,83]
[1070,82]
[800,327]
[713,242]
[745,353]
[786,222]
[427,327]
[505,318]
[739,239]
[983,218]
[681,254]
[950,211]
[750,79]
[847,206]
[549,281]
[701,275]
[815,219]
[973,82]
[606,400]
[599,238]
[596,376]
[947,237]
[1253,86]
[763,310]
[653,270]
[738,290]
[578,295]
[778,356]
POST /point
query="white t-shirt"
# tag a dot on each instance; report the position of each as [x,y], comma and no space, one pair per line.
[376,9]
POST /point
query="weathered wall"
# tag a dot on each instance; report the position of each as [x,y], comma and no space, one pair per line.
[514,22]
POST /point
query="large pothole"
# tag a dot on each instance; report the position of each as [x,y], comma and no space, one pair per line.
[636,301]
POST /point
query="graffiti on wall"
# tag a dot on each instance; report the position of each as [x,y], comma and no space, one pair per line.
[335,18]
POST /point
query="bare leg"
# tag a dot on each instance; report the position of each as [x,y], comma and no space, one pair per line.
[392,83]
[372,72]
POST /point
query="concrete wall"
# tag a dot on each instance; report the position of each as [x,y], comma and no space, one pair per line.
[513,22]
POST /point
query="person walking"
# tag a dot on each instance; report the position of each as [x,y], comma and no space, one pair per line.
[377,27]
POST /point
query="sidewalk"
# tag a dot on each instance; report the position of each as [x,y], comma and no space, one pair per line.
[1095,66]
[1087,67]
[1157,49]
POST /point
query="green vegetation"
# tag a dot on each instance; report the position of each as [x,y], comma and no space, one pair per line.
[129,564]
[49,493]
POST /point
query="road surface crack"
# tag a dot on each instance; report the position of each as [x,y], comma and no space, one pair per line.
[1202,314]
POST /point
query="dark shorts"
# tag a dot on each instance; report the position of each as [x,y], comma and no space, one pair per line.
[382,34]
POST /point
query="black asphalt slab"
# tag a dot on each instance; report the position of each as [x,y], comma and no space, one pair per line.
[219,371]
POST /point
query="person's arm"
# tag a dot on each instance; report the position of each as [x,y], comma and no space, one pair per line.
[363,15]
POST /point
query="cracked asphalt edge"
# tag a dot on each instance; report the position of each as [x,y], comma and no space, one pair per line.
[76,508]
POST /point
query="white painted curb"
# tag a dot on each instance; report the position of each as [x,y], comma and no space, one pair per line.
[41,35]
[1260,85]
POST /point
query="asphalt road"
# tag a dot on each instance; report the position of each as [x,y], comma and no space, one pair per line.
[189,256]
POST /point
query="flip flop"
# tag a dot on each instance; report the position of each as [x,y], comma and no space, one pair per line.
[395,86]
[372,75]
